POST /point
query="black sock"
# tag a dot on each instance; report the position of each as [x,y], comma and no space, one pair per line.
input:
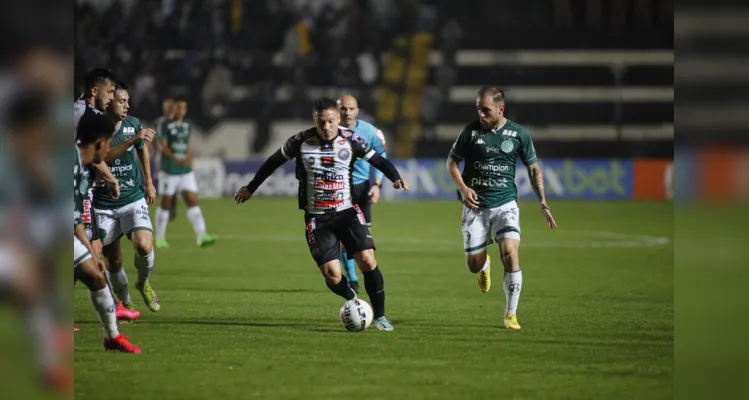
[375,286]
[342,289]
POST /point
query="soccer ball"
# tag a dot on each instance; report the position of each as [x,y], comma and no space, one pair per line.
[356,315]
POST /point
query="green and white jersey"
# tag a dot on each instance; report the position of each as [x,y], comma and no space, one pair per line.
[125,168]
[177,137]
[490,159]
[80,186]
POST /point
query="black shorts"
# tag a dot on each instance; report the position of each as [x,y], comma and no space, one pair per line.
[360,197]
[89,221]
[326,232]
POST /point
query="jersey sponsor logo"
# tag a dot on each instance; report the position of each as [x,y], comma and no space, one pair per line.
[120,169]
[329,196]
[329,185]
[341,142]
[86,216]
[490,149]
[507,146]
[510,133]
[490,166]
[344,154]
[181,147]
[490,182]
[328,176]
[327,205]
[327,161]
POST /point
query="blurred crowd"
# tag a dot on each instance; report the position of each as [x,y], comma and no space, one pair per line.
[205,47]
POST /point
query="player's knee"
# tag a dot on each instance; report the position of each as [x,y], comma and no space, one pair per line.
[366,260]
[331,274]
[191,199]
[510,258]
[143,245]
[475,262]
[114,262]
[91,276]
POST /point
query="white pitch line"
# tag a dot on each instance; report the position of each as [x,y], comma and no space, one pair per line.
[620,240]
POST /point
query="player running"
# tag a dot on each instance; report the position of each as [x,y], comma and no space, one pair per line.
[177,177]
[363,194]
[324,157]
[94,135]
[490,147]
[128,215]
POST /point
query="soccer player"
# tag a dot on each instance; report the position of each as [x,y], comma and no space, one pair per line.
[363,193]
[177,177]
[128,215]
[489,147]
[325,156]
[94,135]
[167,108]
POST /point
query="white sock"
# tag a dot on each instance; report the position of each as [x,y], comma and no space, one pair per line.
[196,219]
[513,282]
[118,281]
[104,305]
[486,265]
[39,323]
[162,220]
[144,265]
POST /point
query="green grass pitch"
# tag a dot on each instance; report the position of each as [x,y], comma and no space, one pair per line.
[251,316]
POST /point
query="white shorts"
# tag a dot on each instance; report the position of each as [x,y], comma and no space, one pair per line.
[169,185]
[114,223]
[479,225]
[80,252]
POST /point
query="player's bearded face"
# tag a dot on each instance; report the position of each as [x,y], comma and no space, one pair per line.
[489,112]
[104,95]
[327,123]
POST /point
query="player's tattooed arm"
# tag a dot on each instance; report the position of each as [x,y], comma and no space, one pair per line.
[537,183]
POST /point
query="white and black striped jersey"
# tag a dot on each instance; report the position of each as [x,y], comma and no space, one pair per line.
[325,168]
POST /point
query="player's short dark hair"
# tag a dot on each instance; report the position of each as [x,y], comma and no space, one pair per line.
[93,127]
[497,95]
[97,76]
[120,85]
[323,104]
[179,99]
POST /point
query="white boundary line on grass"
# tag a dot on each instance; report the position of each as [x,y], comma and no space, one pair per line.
[608,240]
